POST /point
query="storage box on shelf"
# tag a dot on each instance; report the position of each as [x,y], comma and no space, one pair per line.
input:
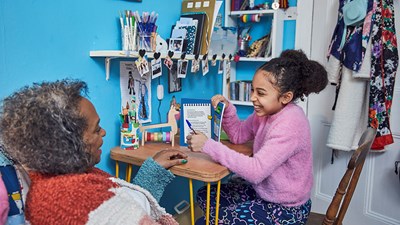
[276,38]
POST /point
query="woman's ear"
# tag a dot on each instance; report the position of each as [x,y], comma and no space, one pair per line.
[287,97]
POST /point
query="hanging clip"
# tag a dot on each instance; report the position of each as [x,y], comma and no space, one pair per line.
[142,52]
[157,55]
[170,54]
[183,55]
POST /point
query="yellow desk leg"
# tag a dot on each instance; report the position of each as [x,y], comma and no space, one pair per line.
[191,201]
[128,173]
[217,203]
[208,204]
[116,169]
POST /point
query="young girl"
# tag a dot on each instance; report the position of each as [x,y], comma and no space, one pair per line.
[274,184]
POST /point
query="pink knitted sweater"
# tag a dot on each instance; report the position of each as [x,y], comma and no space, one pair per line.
[280,169]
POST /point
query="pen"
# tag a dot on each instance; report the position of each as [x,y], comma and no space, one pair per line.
[190,126]
[121,20]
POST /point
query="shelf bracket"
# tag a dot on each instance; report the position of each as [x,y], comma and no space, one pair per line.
[107,65]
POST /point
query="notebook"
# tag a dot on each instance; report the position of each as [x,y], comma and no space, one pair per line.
[190,36]
[201,19]
[202,117]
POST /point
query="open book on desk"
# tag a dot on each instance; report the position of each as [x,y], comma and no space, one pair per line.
[202,117]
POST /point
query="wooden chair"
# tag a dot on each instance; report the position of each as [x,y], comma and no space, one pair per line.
[340,202]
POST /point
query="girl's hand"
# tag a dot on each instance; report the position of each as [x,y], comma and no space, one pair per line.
[217,99]
[196,141]
[170,157]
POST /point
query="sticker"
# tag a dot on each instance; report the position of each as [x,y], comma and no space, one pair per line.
[275,5]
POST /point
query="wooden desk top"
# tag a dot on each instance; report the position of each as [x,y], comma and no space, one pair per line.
[199,166]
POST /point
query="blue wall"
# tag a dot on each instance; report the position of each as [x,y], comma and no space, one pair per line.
[51,39]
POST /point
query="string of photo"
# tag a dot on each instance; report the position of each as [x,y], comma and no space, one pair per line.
[180,67]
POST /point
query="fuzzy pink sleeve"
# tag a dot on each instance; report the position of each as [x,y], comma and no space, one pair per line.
[4,204]
[238,131]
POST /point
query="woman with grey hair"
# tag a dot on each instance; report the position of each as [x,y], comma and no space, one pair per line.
[54,133]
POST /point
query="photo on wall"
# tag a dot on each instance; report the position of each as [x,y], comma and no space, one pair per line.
[174,83]
[176,45]
[156,68]
[182,68]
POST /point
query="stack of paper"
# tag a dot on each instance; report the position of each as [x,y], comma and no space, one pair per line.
[186,28]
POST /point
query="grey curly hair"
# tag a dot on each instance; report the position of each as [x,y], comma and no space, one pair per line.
[42,128]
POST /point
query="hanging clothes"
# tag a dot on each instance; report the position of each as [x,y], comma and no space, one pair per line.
[383,72]
[378,64]
[349,68]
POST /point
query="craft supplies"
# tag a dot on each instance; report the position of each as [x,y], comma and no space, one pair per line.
[138,32]
[129,126]
[247,18]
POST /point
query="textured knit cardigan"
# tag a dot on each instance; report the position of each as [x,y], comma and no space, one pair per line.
[96,197]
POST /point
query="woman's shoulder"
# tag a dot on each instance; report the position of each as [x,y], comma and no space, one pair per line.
[91,180]
[55,197]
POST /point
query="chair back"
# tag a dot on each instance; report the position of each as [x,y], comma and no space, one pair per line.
[340,202]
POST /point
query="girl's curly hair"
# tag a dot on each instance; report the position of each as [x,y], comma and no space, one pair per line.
[293,71]
[42,128]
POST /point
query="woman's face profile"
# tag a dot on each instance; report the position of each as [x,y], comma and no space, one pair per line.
[93,135]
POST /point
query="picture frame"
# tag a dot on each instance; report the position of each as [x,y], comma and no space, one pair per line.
[174,83]
[175,45]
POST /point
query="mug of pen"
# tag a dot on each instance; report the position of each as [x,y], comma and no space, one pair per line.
[138,32]
[146,41]
[146,28]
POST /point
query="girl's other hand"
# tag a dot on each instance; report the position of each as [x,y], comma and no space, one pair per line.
[217,99]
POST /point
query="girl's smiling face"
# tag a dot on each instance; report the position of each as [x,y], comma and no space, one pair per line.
[266,97]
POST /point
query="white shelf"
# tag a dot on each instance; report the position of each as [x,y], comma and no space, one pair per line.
[114,54]
[254,59]
[235,102]
[135,54]
[247,12]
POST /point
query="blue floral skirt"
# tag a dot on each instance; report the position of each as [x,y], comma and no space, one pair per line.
[239,204]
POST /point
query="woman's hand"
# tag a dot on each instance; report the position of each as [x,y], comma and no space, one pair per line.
[170,157]
[217,99]
[196,141]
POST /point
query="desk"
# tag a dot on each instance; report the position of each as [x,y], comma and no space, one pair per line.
[199,167]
